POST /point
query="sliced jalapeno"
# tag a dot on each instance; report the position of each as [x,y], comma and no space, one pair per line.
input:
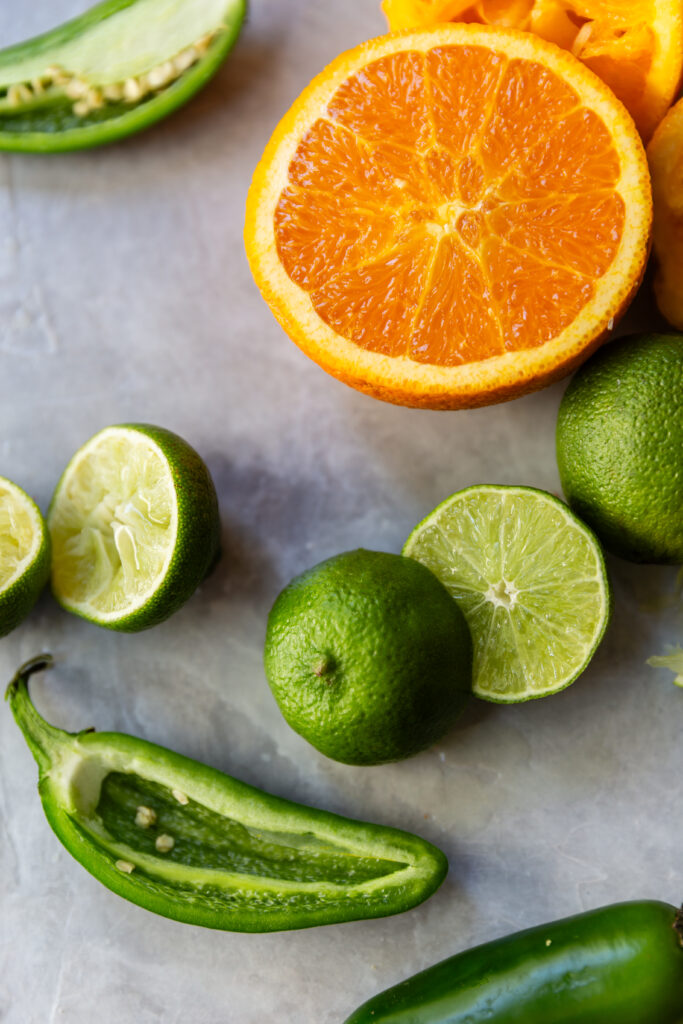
[186,841]
[114,70]
[621,964]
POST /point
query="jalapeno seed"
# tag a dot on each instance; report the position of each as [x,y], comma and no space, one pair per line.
[145,817]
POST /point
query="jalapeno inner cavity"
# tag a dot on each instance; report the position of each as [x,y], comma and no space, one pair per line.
[139,815]
[113,58]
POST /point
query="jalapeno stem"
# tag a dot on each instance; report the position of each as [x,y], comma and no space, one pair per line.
[40,735]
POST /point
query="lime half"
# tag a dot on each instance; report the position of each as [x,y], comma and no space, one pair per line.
[530,579]
[135,527]
[24,555]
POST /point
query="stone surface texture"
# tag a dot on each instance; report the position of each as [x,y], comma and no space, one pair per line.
[125,296]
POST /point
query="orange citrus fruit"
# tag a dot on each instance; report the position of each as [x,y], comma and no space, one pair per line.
[665,154]
[635,46]
[451,218]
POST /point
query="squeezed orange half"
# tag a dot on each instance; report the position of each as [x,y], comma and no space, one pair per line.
[635,46]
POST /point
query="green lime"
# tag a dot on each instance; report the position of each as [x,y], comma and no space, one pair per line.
[368,657]
[620,446]
[530,579]
[135,527]
[24,555]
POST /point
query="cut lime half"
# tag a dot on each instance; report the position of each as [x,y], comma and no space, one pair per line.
[530,579]
[24,555]
[135,527]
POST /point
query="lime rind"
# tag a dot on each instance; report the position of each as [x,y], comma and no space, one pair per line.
[24,555]
[530,579]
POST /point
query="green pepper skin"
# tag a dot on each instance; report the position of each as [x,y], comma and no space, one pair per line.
[54,129]
[243,860]
[621,964]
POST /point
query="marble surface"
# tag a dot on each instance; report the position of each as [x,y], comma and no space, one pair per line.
[125,295]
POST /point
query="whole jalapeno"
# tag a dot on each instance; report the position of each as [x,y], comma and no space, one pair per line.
[116,69]
[191,843]
[621,964]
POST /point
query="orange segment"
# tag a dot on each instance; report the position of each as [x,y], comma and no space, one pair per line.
[665,154]
[352,236]
[547,228]
[464,84]
[452,217]
[456,318]
[635,46]
[386,102]
[373,304]
[543,97]
[559,295]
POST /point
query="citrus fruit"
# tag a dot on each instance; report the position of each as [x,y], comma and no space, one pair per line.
[530,579]
[135,527]
[368,657]
[665,155]
[24,555]
[620,447]
[635,46]
[450,218]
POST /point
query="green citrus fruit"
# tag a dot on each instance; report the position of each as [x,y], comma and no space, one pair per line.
[620,447]
[530,579]
[24,555]
[135,527]
[368,657]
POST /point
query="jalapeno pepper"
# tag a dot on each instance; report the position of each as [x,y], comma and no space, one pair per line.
[184,840]
[621,964]
[112,71]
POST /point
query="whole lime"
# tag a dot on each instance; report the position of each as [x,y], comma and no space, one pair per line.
[620,447]
[368,657]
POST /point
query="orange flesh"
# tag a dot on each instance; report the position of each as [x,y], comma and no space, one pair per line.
[451,206]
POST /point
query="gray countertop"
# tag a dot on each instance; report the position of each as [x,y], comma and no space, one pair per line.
[125,295]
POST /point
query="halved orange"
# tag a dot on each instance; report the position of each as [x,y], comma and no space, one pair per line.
[451,218]
[635,46]
[665,154]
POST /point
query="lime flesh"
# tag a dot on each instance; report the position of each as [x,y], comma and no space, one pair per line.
[530,579]
[134,525]
[24,555]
